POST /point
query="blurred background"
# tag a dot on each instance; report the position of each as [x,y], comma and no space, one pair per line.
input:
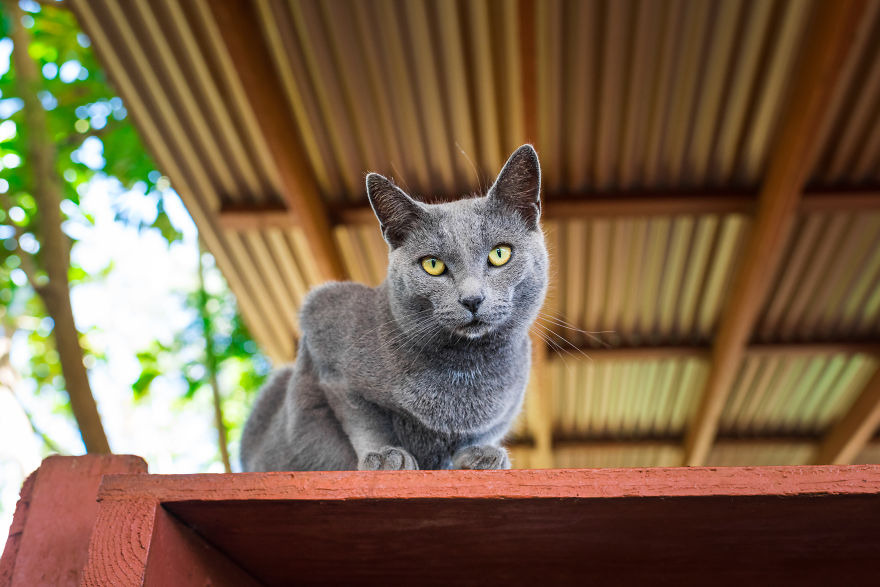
[176,174]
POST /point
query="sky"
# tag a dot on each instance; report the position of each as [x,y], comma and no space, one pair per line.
[135,304]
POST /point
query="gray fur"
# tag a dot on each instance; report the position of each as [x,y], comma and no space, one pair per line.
[399,376]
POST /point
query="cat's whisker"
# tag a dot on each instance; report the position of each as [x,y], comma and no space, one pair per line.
[591,334]
[556,348]
[477,175]
[566,341]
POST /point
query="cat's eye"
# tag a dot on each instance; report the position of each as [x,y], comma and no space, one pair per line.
[433,266]
[499,255]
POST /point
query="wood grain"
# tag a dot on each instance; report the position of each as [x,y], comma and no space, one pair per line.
[536,484]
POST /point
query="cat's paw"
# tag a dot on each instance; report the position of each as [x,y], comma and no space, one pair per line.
[484,456]
[388,459]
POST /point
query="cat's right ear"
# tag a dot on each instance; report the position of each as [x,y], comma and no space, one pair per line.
[396,211]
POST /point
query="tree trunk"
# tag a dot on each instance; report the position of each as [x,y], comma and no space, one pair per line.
[212,366]
[45,184]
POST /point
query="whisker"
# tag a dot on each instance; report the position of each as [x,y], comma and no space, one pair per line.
[566,341]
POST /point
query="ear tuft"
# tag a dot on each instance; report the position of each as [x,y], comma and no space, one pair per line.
[396,211]
[518,186]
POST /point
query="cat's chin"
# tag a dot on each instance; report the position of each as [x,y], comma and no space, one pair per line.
[474,330]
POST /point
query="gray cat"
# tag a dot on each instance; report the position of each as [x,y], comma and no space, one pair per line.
[427,370]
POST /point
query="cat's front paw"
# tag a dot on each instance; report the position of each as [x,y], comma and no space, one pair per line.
[484,456]
[389,458]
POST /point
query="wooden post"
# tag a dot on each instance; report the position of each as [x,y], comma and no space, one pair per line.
[49,538]
[828,43]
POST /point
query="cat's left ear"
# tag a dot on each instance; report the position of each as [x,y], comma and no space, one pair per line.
[396,211]
[518,186]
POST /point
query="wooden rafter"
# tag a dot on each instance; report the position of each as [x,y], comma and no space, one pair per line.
[240,28]
[828,43]
[657,353]
[855,429]
[562,206]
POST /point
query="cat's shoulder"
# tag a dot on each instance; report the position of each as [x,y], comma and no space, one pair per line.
[334,299]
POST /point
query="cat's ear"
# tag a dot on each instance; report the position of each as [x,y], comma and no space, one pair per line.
[518,186]
[396,211]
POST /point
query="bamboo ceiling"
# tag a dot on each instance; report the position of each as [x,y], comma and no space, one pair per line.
[711,185]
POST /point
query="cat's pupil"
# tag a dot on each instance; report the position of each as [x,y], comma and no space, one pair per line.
[433,263]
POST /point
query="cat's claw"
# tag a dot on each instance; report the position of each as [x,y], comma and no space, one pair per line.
[389,459]
[484,456]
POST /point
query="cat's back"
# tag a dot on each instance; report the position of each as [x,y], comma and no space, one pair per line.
[333,313]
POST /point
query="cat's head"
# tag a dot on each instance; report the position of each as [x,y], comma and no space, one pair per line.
[470,267]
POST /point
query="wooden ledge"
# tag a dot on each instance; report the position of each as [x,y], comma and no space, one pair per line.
[529,484]
[814,525]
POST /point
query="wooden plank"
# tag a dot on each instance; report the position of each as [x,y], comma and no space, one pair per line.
[658,353]
[569,206]
[49,538]
[830,38]
[462,484]
[239,26]
[855,429]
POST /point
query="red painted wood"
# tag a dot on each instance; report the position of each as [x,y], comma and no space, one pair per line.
[49,546]
[581,483]
[767,525]
[19,521]
[180,557]
[118,549]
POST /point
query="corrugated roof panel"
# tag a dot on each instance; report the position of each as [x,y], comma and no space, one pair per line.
[850,153]
[625,279]
[825,288]
[632,95]
[624,399]
[793,395]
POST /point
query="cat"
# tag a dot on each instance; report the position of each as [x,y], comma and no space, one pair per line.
[429,369]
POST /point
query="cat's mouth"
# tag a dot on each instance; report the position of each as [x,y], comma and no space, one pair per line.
[474,329]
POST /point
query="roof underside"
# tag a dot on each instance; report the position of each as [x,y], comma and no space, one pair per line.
[626,102]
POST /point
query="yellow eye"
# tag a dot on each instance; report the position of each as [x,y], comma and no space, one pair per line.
[433,266]
[499,255]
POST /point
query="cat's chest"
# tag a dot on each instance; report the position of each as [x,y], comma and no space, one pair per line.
[456,399]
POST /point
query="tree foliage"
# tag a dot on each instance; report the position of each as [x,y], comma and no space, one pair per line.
[93,137]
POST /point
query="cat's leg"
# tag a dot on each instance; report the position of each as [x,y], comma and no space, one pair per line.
[482,456]
[371,434]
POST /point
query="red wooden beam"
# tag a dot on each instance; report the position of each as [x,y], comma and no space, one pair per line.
[790,523]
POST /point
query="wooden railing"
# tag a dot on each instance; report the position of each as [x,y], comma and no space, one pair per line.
[764,525]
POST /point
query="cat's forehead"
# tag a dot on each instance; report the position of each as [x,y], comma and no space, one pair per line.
[467,221]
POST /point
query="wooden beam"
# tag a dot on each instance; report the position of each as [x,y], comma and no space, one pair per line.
[600,443]
[241,218]
[855,429]
[658,353]
[239,26]
[828,43]
[562,206]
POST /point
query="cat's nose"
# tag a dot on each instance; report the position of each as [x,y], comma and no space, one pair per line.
[472,302]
